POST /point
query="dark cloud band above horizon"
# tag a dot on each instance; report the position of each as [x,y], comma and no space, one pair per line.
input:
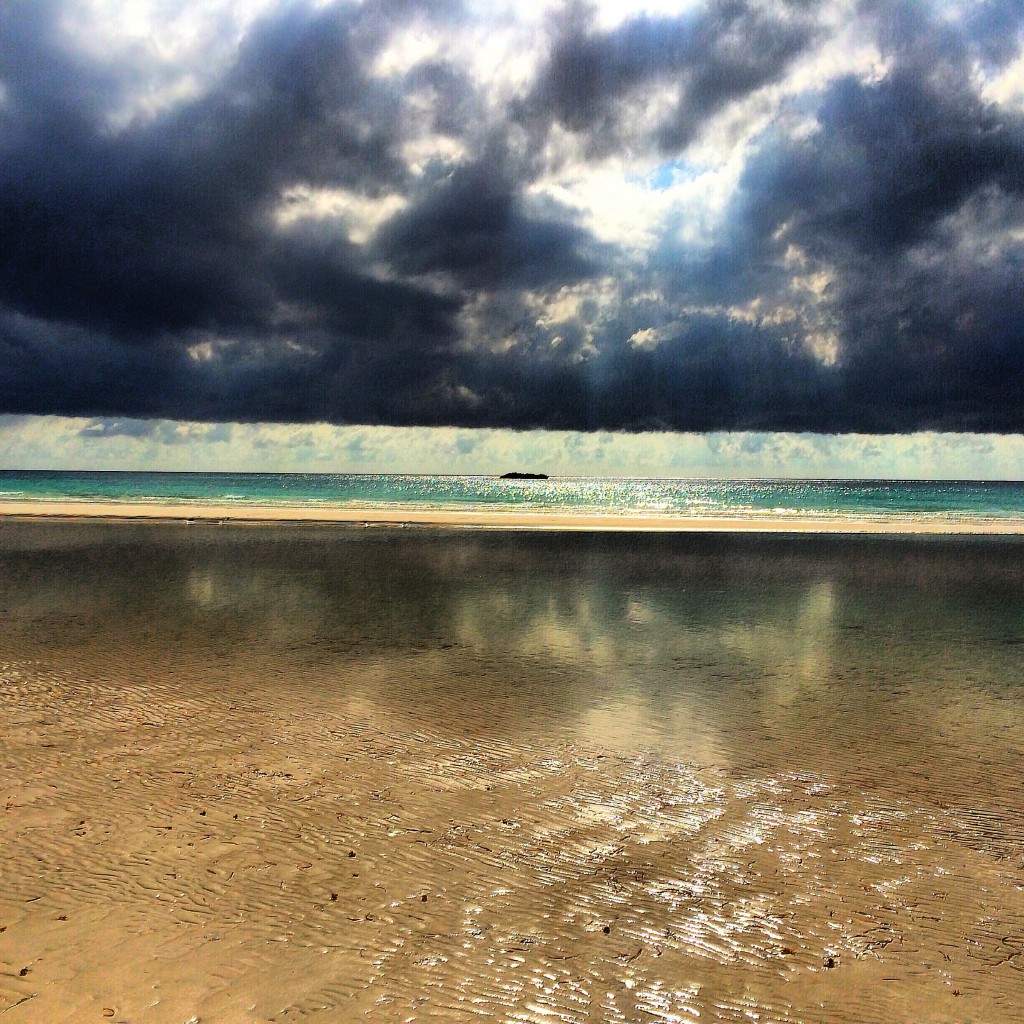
[726,215]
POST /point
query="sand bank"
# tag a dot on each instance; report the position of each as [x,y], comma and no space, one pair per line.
[478,519]
[279,774]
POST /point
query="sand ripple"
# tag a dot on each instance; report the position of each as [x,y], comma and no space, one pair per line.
[247,780]
[234,860]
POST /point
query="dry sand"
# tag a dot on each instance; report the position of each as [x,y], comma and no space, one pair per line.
[496,520]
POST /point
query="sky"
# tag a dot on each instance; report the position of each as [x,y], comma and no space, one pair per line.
[691,237]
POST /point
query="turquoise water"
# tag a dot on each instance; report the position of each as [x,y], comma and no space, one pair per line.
[764,498]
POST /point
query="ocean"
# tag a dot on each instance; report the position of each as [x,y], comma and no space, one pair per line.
[827,499]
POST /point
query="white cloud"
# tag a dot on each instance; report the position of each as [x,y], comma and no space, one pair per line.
[55,442]
[1007,87]
[408,48]
[611,13]
[500,47]
[649,337]
[629,202]
[359,215]
[183,46]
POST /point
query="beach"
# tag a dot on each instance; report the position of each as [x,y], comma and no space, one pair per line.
[500,519]
[305,771]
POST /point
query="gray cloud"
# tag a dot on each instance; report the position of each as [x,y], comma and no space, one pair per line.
[596,82]
[153,267]
[474,225]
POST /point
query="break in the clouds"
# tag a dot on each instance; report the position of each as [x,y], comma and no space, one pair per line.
[724,215]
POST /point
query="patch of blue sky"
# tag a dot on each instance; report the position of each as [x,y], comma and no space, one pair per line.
[673,172]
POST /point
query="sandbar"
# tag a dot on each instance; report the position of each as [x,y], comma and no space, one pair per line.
[504,520]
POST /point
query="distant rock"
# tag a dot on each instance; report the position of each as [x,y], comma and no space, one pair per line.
[524,476]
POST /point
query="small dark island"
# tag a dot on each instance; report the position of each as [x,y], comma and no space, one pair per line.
[524,476]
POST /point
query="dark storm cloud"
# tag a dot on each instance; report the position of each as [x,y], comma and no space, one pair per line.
[171,265]
[714,371]
[890,161]
[161,228]
[596,82]
[940,332]
[474,226]
[909,192]
[994,28]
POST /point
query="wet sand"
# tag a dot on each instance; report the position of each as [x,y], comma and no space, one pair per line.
[482,519]
[309,773]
